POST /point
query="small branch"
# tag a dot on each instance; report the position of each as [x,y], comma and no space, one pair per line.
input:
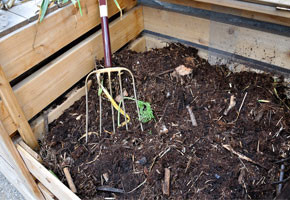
[242,105]
[192,117]
[166,184]
[241,156]
[137,186]
[69,180]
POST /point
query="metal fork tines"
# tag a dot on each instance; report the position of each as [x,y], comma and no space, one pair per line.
[108,94]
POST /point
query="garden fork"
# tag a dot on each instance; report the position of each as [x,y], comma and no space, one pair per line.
[108,70]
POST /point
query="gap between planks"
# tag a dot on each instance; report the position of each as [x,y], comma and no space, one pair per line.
[35,42]
[44,86]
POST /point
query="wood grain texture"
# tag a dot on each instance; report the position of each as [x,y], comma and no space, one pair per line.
[45,177]
[46,193]
[31,44]
[13,167]
[282,3]
[258,45]
[239,8]
[44,86]
[38,124]
[138,45]
[15,111]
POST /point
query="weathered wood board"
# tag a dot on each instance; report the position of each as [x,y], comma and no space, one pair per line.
[250,43]
[44,86]
[33,43]
[14,169]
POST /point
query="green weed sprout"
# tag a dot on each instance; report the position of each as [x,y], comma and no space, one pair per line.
[146,112]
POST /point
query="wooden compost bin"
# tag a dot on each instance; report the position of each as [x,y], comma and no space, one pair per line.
[243,32]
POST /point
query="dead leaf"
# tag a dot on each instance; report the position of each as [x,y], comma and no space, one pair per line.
[182,70]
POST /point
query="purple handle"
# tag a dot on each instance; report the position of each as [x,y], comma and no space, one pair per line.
[105,32]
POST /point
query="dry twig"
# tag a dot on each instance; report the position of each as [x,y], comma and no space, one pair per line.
[231,105]
[192,117]
[166,184]
[241,156]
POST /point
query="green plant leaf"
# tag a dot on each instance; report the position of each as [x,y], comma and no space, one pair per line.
[100,90]
[146,112]
[80,7]
[263,101]
[119,7]
[43,9]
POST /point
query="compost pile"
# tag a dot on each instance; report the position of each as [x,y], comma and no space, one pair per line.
[231,153]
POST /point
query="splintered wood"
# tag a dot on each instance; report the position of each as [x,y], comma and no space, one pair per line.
[166,184]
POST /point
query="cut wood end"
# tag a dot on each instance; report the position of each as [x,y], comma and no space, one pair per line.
[166,184]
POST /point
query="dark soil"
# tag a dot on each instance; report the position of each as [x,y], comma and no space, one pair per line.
[200,165]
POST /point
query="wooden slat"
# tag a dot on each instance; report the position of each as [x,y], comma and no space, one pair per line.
[31,44]
[30,151]
[138,45]
[15,111]
[239,8]
[38,91]
[255,44]
[46,193]
[15,169]
[45,177]
[38,124]
[282,3]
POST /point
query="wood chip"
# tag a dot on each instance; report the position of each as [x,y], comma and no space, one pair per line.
[166,184]
[106,177]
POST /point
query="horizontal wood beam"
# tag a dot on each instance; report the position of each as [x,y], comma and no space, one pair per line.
[238,8]
[250,43]
[31,44]
[282,3]
[38,124]
[44,86]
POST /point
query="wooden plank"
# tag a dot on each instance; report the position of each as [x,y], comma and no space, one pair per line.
[38,124]
[153,42]
[45,177]
[246,6]
[31,44]
[46,193]
[239,8]
[282,3]
[250,43]
[44,86]
[8,22]
[30,151]
[138,45]
[15,169]
[15,111]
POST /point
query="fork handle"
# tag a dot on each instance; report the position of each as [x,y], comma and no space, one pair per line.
[105,32]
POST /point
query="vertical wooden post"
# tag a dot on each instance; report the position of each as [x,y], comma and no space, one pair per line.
[15,111]
[19,168]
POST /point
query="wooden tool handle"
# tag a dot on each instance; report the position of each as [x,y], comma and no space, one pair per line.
[69,180]
[105,32]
